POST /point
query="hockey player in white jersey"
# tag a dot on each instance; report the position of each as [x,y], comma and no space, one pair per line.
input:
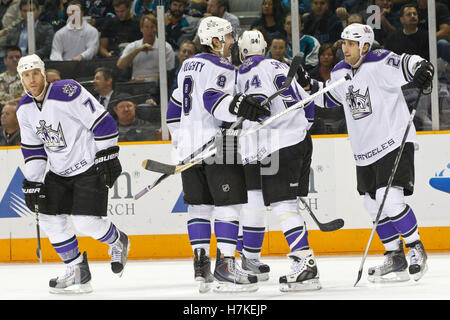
[61,123]
[204,100]
[377,115]
[275,159]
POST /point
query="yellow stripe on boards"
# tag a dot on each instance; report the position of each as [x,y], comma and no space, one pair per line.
[341,242]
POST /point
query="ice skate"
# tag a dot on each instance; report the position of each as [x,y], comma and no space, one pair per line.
[202,270]
[229,278]
[304,274]
[393,268]
[77,279]
[255,267]
[119,253]
[418,260]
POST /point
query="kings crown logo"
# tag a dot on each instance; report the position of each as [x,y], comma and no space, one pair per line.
[360,105]
[69,89]
[53,139]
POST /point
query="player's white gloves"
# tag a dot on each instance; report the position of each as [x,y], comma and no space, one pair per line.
[34,193]
[108,165]
[248,107]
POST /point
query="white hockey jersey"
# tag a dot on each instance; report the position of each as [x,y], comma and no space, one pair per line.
[375,108]
[261,76]
[68,130]
[201,102]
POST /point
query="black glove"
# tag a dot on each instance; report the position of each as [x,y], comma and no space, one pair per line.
[34,194]
[303,77]
[108,165]
[423,76]
[248,107]
[226,144]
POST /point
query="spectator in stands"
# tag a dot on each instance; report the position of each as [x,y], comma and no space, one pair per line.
[197,8]
[327,55]
[442,26]
[10,84]
[74,41]
[10,132]
[278,49]
[304,6]
[104,87]
[187,49]
[410,39]
[9,16]
[350,6]
[98,11]
[309,46]
[321,23]
[130,127]
[43,31]
[52,75]
[143,55]
[119,31]
[178,25]
[219,8]
[142,7]
[389,20]
[55,13]
[271,20]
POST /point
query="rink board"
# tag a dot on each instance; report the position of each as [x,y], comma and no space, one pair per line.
[156,223]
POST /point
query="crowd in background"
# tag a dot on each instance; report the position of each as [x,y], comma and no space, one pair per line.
[125,32]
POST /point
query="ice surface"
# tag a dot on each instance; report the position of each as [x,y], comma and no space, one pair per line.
[173,280]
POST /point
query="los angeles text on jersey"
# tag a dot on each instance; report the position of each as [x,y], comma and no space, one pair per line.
[73,168]
[375,151]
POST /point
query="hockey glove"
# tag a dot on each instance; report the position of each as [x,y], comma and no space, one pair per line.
[303,77]
[226,144]
[108,165]
[248,107]
[423,76]
[34,193]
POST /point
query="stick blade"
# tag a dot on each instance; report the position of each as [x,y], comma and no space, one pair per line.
[359,277]
[156,166]
[332,225]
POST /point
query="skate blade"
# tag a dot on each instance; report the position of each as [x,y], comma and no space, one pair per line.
[417,276]
[307,285]
[390,277]
[262,276]
[203,285]
[228,287]
[75,289]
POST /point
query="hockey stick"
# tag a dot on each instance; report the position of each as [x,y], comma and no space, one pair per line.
[295,106]
[156,166]
[167,170]
[391,178]
[327,226]
[38,230]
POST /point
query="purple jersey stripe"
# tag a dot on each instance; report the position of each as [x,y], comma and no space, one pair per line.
[105,127]
[173,111]
[211,98]
[27,153]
